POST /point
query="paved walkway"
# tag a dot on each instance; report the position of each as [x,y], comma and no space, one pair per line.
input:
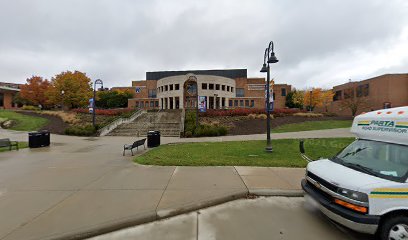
[81,187]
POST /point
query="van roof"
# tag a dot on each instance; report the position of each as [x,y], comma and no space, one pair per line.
[386,125]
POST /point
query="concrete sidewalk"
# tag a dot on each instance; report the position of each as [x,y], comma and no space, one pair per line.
[81,187]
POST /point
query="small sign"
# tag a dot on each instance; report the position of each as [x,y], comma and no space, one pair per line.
[202,104]
[138,90]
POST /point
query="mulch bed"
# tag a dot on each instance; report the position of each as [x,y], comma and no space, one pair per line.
[55,124]
[258,126]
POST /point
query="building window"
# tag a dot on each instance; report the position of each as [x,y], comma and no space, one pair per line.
[171,87]
[337,95]
[246,103]
[141,104]
[240,92]
[151,104]
[283,92]
[236,103]
[252,103]
[204,86]
[217,86]
[211,86]
[166,88]
[363,90]
[161,89]
[152,93]
[136,104]
[228,88]
[232,89]
[241,103]
[156,103]
[177,86]
[348,93]
[223,87]
[230,103]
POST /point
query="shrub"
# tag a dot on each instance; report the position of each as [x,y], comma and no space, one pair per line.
[68,117]
[245,112]
[203,130]
[108,112]
[210,131]
[310,115]
[30,108]
[87,130]
[329,114]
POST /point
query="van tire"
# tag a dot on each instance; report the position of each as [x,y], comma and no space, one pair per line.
[395,222]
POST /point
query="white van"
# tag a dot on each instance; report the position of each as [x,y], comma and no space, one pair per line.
[364,187]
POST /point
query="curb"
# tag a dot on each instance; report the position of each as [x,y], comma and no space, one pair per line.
[163,214]
[276,192]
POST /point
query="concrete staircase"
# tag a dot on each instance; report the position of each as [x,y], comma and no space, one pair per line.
[168,122]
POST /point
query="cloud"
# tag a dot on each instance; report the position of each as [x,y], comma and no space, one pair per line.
[319,43]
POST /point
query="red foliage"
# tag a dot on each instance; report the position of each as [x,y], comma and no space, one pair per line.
[244,112]
[108,112]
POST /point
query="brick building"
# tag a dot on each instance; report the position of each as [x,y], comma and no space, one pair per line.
[221,88]
[7,93]
[385,91]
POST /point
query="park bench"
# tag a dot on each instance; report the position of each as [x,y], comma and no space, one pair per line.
[136,145]
[5,142]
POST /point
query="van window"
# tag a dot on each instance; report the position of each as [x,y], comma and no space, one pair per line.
[384,160]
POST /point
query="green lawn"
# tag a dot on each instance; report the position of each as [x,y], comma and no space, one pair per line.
[248,153]
[23,122]
[313,125]
[20,145]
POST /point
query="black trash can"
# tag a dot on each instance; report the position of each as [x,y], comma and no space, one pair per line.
[38,139]
[34,139]
[45,138]
[153,139]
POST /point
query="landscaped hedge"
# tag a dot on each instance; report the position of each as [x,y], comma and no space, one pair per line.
[203,130]
[245,112]
[87,130]
[108,112]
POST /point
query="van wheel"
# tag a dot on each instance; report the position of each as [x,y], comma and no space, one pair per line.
[395,228]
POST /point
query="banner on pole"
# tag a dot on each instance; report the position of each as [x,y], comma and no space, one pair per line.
[202,103]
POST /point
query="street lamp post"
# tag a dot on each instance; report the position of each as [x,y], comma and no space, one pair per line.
[62,99]
[269,57]
[97,81]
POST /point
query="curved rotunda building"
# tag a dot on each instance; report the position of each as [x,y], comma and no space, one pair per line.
[179,90]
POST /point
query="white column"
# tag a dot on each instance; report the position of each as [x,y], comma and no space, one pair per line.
[226,103]
[174,102]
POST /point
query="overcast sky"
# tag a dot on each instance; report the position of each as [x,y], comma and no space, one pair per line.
[318,43]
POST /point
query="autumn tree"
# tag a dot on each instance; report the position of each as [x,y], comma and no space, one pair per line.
[327,98]
[34,91]
[294,99]
[354,104]
[312,98]
[73,89]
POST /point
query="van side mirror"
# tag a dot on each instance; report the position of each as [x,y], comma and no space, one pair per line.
[302,146]
[302,151]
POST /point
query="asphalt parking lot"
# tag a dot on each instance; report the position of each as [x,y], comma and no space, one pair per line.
[260,218]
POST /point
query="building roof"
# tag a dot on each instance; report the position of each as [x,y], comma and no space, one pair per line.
[228,73]
[9,89]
